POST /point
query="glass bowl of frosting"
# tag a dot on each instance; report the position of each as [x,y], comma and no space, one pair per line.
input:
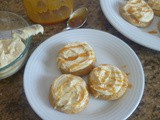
[15,39]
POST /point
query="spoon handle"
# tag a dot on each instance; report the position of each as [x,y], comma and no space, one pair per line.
[67,28]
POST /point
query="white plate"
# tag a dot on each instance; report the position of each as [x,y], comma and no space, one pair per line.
[41,70]
[141,36]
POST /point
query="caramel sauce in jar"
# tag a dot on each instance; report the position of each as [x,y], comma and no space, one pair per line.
[48,11]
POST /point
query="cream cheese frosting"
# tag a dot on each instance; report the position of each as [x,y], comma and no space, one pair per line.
[106,79]
[75,56]
[27,32]
[69,92]
[10,49]
[141,11]
[155,4]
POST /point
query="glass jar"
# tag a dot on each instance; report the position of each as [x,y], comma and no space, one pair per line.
[48,11]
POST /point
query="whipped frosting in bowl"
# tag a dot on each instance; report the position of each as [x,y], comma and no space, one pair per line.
[75,56]
[10,49]
[69,92]
[14,50]
[141,11]
[107,80]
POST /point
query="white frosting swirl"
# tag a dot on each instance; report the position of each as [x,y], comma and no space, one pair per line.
[69,91]
[106,79]
[75,56]
[139,9]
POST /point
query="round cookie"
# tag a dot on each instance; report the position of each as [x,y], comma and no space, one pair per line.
[76,58]
[155,5]
[69,94]
[137,12]
[107,82]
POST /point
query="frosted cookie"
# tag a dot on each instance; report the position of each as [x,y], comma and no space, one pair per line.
[155,5]
[137,12]
[76,58]
[69,94]
[107,82]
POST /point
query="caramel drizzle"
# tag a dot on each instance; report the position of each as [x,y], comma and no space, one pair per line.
[110,85]
[130,10]
[113,90]
[81,97]
[77,64]
[153,32]
[60,88]
[67,48]
[72,58]
[130,85]
[138,9]
[107,73]
[109,88]
[118,84]
[133,9]
[125,85]
[84,54]
[120,81]
[75,57]
[125,66]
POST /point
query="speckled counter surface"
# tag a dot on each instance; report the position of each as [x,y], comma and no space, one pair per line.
[13,102]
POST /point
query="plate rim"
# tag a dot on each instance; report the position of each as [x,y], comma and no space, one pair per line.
[106,13]
[86,29]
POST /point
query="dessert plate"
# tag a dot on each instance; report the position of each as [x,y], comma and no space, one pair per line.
[141,36]
[41,70]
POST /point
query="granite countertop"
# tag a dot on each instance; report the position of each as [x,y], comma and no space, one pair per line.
[13,102]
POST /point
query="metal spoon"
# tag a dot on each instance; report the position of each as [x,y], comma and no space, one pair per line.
[77,18]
